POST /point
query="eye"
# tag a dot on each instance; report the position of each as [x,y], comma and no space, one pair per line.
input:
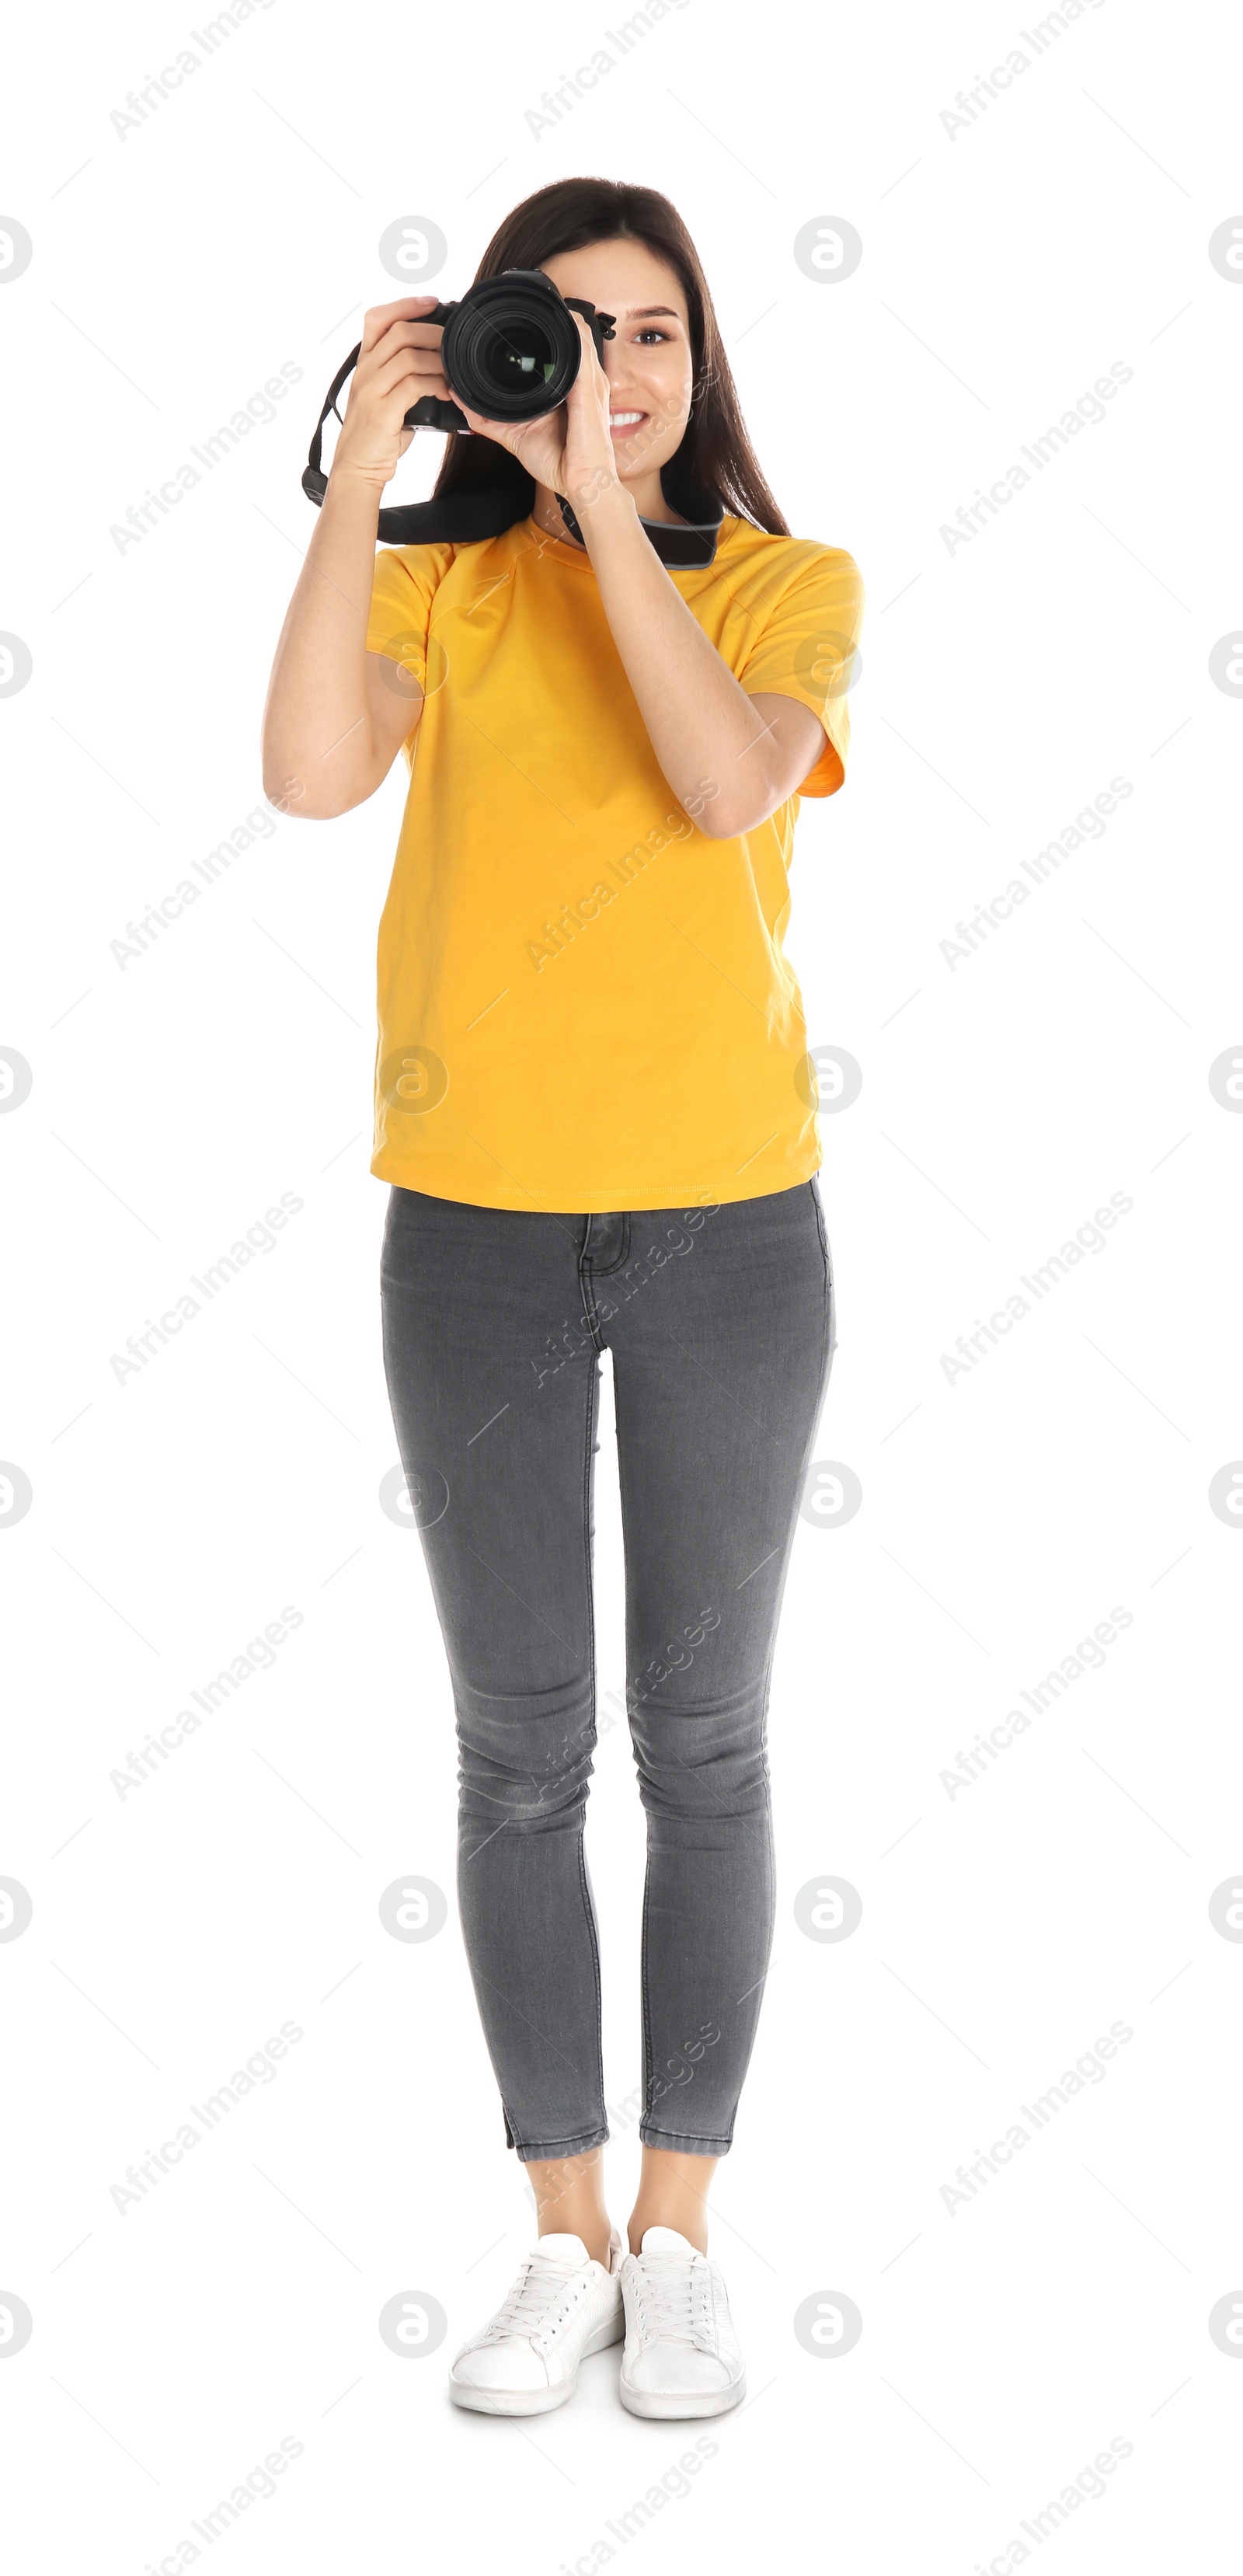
[651,331]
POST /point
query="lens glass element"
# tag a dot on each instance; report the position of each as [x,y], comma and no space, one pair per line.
[515,357]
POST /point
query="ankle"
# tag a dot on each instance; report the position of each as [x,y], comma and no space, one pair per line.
[596,2234]
[693,2229]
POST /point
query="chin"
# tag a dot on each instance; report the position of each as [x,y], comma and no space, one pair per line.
[630,466]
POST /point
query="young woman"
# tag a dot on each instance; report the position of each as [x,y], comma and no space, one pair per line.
[595,1109]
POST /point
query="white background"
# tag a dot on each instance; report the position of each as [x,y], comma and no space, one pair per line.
[1003,1514]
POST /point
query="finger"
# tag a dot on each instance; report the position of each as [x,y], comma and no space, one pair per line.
[481,425]
[402,335]
[378,319]
[590,351]
[591,382]
[410,366]
[505,433]
[427,388]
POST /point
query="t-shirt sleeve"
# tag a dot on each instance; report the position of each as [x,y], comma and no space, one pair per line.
[403,589]
[807,649]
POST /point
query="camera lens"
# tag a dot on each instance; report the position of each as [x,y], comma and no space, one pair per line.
[516,358]
[511,348]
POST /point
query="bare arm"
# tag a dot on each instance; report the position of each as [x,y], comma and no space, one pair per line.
[729,758]
[332,727]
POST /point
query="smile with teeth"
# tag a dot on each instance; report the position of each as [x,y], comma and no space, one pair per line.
[626,419]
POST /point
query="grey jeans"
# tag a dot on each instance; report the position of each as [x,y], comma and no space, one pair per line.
[721,1325]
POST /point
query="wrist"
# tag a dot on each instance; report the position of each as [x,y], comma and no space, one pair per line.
[354,487]
[602,506]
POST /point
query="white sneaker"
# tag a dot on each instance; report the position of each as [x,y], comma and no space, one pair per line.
[682,2355]
[562,2305]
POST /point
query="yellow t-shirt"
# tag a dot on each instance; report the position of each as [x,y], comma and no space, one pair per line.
[583,1000]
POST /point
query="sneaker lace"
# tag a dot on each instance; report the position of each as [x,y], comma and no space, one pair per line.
[526,2309]
[676,2299]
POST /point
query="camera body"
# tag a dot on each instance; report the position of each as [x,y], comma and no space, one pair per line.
[509,349]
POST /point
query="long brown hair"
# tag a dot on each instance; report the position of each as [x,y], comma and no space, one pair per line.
[715,452]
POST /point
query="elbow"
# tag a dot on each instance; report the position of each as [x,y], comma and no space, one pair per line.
[730,823]
[711,814]
[290,796]
[284,794]
[721,817]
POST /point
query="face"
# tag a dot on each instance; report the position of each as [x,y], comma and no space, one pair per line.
[648,362]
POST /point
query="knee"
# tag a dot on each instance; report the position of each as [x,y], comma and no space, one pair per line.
[531,1774]
[709,1764]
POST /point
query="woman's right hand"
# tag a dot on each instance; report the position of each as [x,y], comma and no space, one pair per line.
[399,362]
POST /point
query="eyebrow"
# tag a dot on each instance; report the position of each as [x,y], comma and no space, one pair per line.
[648,312]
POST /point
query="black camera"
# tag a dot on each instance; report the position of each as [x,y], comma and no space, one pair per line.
[509,349]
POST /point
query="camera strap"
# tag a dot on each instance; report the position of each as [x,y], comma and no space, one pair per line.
[680,549]
[466,518]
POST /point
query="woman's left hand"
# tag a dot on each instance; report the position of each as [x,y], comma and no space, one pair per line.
[569,450]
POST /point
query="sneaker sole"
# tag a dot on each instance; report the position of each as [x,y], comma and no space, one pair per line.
[684,2405]
[534,2401]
